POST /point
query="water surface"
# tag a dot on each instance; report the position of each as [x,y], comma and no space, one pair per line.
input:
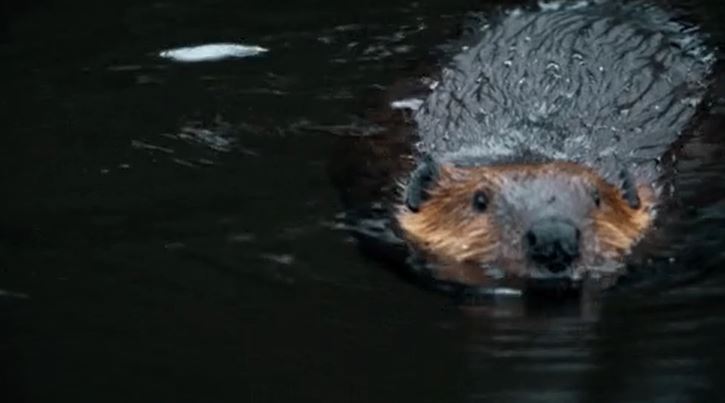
[171,231]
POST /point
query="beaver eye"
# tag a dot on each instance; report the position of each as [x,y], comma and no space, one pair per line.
[480,201]
[596,197]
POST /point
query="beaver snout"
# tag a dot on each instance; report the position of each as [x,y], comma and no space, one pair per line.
[552,243]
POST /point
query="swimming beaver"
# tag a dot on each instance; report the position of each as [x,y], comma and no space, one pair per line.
[539,145]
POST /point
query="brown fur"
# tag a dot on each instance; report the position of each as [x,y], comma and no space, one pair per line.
[448,228]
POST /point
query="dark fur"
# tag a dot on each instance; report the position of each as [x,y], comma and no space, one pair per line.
[609,84]
[416,191]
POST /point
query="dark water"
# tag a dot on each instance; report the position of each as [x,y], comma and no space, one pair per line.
[171,233]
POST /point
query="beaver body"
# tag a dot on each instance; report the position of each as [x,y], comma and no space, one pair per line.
[539,146]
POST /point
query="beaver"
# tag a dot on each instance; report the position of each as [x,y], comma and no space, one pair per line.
[540,145]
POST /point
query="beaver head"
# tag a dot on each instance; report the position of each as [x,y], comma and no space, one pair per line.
[541,220]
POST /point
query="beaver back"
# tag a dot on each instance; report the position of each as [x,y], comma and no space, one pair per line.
[588,83]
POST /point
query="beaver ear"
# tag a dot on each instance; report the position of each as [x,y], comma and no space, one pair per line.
[629,189]
[416,192]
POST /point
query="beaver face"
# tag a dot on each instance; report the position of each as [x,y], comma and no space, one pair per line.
[545,220]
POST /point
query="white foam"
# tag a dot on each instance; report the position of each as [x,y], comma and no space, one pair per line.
[410,103]
[211,52]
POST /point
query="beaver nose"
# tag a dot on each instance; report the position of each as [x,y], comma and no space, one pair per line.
[553,243]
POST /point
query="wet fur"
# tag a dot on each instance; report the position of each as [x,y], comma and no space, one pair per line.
[448,227]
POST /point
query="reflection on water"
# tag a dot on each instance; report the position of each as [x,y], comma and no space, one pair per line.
[175,231]
[211,52]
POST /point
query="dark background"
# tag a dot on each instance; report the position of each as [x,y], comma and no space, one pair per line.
[145,259]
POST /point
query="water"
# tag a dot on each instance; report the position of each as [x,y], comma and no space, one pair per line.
[173,232]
